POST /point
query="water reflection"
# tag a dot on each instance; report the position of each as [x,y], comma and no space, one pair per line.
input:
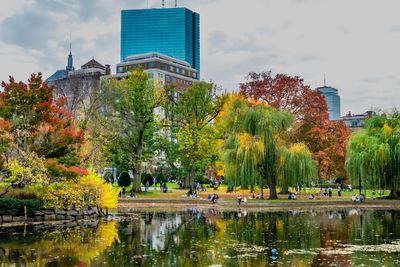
[74,244]
[205,237]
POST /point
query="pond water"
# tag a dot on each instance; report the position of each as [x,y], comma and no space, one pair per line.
[208,237]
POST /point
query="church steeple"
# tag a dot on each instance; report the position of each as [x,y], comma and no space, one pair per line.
[70,66]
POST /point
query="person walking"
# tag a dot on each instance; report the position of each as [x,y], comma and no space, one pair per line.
[339,189]
[330,191]
[239,199]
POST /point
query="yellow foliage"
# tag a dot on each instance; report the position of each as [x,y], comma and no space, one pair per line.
[387,130]
[90,190]
[83,243]
[26,170]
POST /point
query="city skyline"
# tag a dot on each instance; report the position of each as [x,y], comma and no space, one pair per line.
[354,43]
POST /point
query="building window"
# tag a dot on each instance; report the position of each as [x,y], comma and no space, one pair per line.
[183,71]
[171,68]
[194,75]
[120,69]
[150,75]
[165,67]
[151,64]
[177,69]
[173,79]
[167,78]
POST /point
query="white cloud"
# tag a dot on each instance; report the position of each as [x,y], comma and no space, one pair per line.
[354,42]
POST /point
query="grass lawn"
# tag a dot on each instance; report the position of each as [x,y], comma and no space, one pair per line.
[153,194]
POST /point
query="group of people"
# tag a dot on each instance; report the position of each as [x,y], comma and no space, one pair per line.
[240,200]
[328,191]
[255,196]
[213,198]
[356,198]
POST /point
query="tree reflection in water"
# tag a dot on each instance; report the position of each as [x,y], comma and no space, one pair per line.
[204,237]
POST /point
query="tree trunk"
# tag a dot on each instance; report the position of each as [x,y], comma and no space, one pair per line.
[189,180]
[394,194]
[138,164]
[285,187]
[359,185]
[272,188]
[262,188]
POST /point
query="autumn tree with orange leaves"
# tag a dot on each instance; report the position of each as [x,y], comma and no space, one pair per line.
[35,124]
[326,139]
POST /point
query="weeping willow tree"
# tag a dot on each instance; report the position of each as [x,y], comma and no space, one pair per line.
[296,166]
[256,144]
[373,157]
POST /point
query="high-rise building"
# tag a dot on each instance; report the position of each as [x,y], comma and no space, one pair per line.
[174,32]
[332,99]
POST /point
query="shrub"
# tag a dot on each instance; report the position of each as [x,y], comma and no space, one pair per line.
[199,178]
[90,190]
[10,206]
[124,179]
[160,178]
[147,178]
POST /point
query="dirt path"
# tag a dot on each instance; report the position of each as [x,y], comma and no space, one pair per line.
[296,204]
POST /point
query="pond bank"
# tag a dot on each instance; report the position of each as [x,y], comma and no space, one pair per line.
[43,214]
[297,204]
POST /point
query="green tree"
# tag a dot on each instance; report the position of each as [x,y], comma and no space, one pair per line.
[373,158]
[130,105]
[147,177]
[124,179]
[257,146]
[192,112]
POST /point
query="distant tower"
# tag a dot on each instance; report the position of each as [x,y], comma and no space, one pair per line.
[70,66]
[174,32]
[332,99]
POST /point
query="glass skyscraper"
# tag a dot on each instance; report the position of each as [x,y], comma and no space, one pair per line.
[332,99]
[173,32]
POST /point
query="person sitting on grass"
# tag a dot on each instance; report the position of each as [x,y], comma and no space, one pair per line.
[294,197]
[311,197]
[209,196]
[354,198]
[239,198]
[258,196]
[214,198]
[132,195]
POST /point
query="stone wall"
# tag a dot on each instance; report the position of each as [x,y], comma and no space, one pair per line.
[43,214]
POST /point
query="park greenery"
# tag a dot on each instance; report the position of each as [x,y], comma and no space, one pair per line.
[275,134]
[374,154]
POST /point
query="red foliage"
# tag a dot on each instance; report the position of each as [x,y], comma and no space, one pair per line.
[61,171]
[326,139]
[4,125]
[46,121]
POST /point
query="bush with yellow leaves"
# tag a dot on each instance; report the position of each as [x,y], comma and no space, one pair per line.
[89,190]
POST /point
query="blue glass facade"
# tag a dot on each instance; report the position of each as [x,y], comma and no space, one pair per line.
[332,99]
[173,32]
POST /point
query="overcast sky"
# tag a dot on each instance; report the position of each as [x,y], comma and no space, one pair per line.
[355,42]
